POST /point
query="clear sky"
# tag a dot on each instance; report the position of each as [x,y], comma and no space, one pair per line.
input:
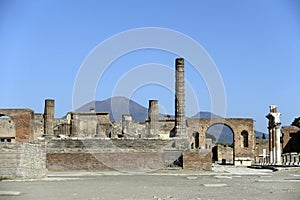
[254,44]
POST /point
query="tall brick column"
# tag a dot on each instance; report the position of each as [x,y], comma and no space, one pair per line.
[49,117]
[180,123]
[153,116]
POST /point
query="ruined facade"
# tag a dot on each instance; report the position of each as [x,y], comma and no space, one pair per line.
[22,128]
[90,141]
[243,136]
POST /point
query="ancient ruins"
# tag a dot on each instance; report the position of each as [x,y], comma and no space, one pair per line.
[33,143]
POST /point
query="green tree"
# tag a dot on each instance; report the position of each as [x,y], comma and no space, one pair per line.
[213,138]
[296,122]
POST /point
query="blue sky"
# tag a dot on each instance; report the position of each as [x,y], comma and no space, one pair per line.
[254,44]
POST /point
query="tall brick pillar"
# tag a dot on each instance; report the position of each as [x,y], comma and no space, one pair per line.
[49,117]
[153,116]
[180,123]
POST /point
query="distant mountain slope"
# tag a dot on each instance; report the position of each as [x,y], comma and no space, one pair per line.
[260,134]
[223,133]
[204,114]
[117,106]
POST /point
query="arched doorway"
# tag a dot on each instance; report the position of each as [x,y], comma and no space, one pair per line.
[223,143]
[245,139]
[195,144]
[7,129]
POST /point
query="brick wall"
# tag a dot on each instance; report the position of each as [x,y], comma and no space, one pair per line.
[197,160]
[111,154]
[128,161]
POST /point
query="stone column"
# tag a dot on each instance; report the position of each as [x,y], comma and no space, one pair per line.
[153,116]
[270,145]
[180,123]
[49,117]
[277,144]
[274,145]
[274,137]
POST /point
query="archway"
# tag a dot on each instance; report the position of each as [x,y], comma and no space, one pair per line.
[223,150]
[242,156]
[196,142]
[7,129]
[245,139]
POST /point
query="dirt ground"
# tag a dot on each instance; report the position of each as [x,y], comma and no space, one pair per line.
[174,184]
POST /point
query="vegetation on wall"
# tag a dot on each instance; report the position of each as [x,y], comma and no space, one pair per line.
[296,122]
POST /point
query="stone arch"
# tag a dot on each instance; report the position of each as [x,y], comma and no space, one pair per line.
[222,153]
[242,156]
[23,119]
[222,124]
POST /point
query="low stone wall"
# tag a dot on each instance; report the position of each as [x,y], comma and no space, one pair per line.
[21,160]
[197,160]
[94,145]
[113,154]
[120,161]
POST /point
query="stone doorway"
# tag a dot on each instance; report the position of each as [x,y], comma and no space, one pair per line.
[223,147]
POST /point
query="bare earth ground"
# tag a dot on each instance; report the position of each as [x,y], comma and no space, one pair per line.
[223,183]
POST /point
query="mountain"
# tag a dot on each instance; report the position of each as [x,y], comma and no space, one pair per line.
[223,133]
[260,134]
[117,106]
[203,114]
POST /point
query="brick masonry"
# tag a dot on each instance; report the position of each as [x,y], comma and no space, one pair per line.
[111,154]
[23,120]
[128,161]
[197,160]
[291,139]
[237,125]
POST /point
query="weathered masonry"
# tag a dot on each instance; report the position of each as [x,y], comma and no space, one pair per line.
[22,128]
[243,136]
[90,141]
